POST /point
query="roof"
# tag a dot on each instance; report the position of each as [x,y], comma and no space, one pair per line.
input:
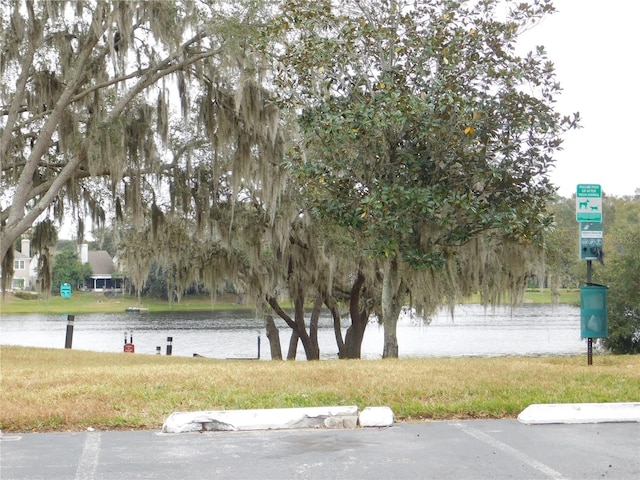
[101,262]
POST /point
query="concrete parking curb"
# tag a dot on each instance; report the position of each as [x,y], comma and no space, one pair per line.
[580,413]
[350,417]
[278,418]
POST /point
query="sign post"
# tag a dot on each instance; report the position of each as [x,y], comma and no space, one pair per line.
[69,338]
[589,214]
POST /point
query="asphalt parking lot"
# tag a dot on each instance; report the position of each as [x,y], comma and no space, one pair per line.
[470,449]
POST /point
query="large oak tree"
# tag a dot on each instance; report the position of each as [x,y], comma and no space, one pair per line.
[425,134]
[87,92]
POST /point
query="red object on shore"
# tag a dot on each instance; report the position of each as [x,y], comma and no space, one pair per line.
[129,348]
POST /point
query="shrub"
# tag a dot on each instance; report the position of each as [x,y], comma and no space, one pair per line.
[26,295]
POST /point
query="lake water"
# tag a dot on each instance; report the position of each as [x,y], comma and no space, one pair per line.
[472,331]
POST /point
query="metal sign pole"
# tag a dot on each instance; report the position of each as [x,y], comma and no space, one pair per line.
[590,339]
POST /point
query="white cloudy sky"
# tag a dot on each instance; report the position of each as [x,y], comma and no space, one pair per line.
[594,45]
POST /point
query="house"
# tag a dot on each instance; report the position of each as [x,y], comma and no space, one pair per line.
[103,268]
[23,267]
[101,263]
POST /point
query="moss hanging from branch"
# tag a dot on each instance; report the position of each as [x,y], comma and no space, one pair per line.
[43,243]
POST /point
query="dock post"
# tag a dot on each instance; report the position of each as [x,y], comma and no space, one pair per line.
[69,339]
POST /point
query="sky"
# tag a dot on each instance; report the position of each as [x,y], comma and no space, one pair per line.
[594,46]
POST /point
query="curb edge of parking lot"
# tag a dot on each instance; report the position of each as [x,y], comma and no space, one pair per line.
[568,413]
[351,417]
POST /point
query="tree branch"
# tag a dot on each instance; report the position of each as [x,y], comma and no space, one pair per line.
[16,103]
[281,313]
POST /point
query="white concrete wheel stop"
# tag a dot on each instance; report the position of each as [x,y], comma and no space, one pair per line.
[538,414]
[278,418]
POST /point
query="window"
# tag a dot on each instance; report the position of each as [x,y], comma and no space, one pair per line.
[18,264]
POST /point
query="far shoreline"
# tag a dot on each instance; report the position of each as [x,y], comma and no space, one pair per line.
[98,302]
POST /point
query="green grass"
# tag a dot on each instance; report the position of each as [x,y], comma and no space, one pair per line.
[542,297]
[567,296]
[70,390]
[89,302]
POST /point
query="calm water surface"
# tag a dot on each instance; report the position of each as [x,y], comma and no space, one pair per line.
[471,331]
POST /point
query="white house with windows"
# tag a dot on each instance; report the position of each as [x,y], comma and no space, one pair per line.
[24,267]
[103,268]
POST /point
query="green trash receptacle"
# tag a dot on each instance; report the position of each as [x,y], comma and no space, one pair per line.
[65,290]
[593,311]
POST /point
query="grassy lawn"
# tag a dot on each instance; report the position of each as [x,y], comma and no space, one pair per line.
[567,296]
[89,302]
[70,390]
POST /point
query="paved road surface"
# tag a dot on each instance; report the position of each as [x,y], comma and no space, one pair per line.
[477,449]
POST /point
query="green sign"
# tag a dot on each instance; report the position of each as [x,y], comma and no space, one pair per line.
[65,290]
[590,240]
[589,203]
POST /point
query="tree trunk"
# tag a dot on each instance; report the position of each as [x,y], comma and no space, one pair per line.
[274,337]
[330,302]
[391,307]
[313,328]
[297,324]
[554,287]
[355,334]
[311,350]
[351,346]
[293,345]
[359,320]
